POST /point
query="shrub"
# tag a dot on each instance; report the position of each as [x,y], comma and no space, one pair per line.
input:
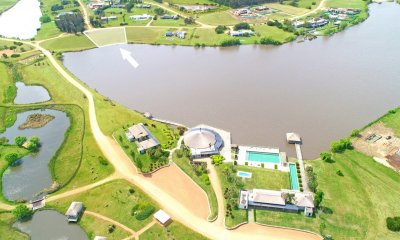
[45,19]
[311,178]
[11,158]
[355,133]
[189,21]
[230,42]
[341,145]
[3,140]
[269,41]
[393,224]
[262,165]
[217,159]
[326,156]
[275,167]
[102,161]
[319,196]
[22,211]
[15,55]
[392,111]
[246,163]
[242,25]
[131,190]
[220,29]
[144,213]
[339,173]
[235,162]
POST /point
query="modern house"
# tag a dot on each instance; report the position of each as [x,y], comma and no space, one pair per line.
[173,17]
[243,11]
[298,24]
[108,18]
[74,211]
[203,142]
[140,17]
[263,157]
[315,23]
[241,33]
[162,217]
[277,200]
[179,34]
[142,137]
[143,6]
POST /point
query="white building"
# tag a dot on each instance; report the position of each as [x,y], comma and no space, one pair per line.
[74,211]
[203,142]
[241,33]
[140,17]
[162,217]
[142,137]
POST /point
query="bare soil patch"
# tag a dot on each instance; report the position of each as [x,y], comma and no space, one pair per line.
[36,121]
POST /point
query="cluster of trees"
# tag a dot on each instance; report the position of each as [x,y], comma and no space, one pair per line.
[286,25]
[269,41]
[231,192]
[189,21]
[242,26]
[22,212]
[241,3]
[142,211]
[217,159]
[326,157]
[341,145]
[45,19]
[70,22]
[312,179]
[220,29]
[230,42]
[33,143]
[393,224]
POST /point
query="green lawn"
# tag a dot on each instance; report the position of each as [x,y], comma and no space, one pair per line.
[97,227]
[307,4]
[265,178]
[113,200]
[189,2]
[47,30]
[6,4]
[7,232]
[144,35]
[183,164]
[175,231]
[69,43]
[288,9]
[8,90]
[218,18]
[360,4]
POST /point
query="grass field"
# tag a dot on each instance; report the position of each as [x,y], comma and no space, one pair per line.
[173,231]
[189,2]
[97,227]
[107,36]
[360,4]
[6,4]
[307,4]
[8,91]
[47,30]
[113,200]
[7,232]
[288,9]
[265,178]
[183,163]
[68,43]
[218,18]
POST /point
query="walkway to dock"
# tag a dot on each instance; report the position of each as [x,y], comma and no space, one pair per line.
[302,169]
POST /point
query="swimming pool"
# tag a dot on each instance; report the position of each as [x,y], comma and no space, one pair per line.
[294,181]
[263,157]
[244,174]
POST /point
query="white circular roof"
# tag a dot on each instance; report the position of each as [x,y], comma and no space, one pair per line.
[200,138]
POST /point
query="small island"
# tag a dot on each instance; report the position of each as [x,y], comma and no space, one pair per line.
[36,121]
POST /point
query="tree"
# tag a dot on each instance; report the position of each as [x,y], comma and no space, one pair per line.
[341,145]
[159,11]
[326,156]
[319,196]
[20,140]
[139,164]
[70,22]
[45,19]
[242,25]
[289,197]
[22,211]
[11,158]
[189,21]
[355,133]
[393,224]
[220,29]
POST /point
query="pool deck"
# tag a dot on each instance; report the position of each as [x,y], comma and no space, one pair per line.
[302,169]
[242,157]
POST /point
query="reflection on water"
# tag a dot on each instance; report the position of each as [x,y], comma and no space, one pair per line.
[22,20]
[33,174]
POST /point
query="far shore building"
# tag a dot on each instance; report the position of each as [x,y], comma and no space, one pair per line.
[275,200]
[162,217]
[100,238]
[173,17]
[140,17]
[142,136]
[203,142]
[74,211]
[241,33]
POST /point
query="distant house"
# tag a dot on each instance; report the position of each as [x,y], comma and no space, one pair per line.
[298,24]
[275,200]
[143,6]
[96,4]
[315,23]
[140,17]
[241,33]
[262,8]
[179,34]
[169,34]
[108,18]
[162,217]
[118,6]
[74,211]
[173,17]
[100,238]
[243,11]
[142,137]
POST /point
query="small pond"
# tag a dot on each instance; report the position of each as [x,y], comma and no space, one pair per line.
[30,177]
[51,225]
[28,94]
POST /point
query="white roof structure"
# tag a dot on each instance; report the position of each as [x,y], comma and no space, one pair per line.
[267,197]
[100,238]
[304,199]
[138,131]
[162,217]
[203,141]
[293,137]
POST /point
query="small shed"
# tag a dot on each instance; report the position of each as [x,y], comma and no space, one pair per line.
[38,203]
[162,217]
[100,238]
[74,211]
[293,138]
[148,115]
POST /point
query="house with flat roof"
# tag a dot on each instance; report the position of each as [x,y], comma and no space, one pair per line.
[264,157]
[140,17]
[162,217]
[276,200]
[100,238]
[74,211]
[142,136]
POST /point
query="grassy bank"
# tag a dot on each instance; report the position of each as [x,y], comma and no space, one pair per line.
[97,227]
[173,231]
[183,163]
[265,178]
[6,4]
[7,232]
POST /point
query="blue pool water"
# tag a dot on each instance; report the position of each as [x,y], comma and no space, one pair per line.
[294,182]
[263,157]
[244,174]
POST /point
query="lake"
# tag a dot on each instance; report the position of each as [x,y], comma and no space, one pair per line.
[22,20]
[51,225]
[321,89]
[33,175]
[28,94]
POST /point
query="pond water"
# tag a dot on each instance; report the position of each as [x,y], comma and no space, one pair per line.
[28,94]
[30,177]
[22,20]
[51,225]
[321,89]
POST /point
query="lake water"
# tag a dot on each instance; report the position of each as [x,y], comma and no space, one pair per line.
[28,94]
[321,89]
[51,225]
[22,20]
[33,175]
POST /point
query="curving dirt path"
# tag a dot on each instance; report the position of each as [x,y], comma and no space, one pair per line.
[85,15]
[120,225]
[321,5]
[125,168]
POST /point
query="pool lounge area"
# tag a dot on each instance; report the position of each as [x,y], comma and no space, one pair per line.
[269,158]
[294,181]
